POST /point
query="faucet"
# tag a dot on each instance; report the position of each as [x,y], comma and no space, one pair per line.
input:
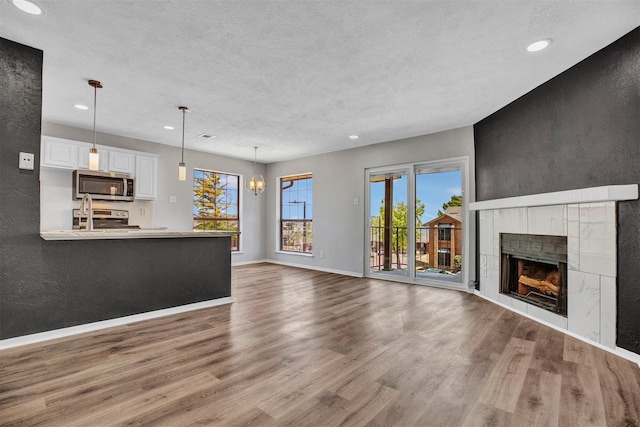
[86,210]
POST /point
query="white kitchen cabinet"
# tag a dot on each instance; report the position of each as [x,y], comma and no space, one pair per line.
[122,162]
[58,153]
[145,178]
[61,153]
[83,158]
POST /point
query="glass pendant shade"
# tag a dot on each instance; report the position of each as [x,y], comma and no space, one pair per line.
[182,167]
[94,159]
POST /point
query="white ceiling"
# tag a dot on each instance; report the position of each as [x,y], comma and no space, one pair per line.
[298,77]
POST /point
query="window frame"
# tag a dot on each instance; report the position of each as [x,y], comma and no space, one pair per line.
[238,236]
[281,220]
[444,231]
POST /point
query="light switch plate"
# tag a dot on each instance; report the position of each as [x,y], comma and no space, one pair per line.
[26,161]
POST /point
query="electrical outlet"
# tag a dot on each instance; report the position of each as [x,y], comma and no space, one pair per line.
[356,201]
[172,199]
[321,255]
[26,161]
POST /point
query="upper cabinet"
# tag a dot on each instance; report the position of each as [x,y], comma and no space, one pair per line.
[61,153]
[122,162]
[145,181]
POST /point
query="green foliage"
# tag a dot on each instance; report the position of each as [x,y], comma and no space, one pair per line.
[455,201]
[208,195]
[457,261]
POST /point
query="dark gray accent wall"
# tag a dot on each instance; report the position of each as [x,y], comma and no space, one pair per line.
[20,112]
[47,285]
[580,129]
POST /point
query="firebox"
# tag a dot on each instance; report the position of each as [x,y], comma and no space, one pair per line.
[533,269]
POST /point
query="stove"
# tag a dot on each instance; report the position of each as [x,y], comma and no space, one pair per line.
[105,219]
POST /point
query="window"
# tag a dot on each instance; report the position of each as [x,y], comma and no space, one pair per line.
[216,202]
[296,213]
[444,232]
[444,257]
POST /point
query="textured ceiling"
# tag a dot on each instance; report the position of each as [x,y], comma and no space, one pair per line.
[298,77]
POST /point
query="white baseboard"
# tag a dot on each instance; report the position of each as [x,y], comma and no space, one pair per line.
[90,327]
[313,267]
[255,261]
[630,355]
[626,354]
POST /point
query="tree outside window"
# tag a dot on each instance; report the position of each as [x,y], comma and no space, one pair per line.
[296,213]
[216,204]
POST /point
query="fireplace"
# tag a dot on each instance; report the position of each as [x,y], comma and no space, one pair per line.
[585,256]
[534,270]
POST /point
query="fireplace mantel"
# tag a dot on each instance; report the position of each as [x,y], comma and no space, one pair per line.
[607,193]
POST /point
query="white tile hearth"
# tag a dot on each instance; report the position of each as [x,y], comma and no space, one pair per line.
[588,218]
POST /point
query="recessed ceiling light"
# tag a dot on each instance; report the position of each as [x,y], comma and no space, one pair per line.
[538,45]
[353,137]
[27,6]
[81,107]
[169,127]
[206,136]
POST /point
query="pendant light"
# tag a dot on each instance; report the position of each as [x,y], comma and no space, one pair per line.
[94,157]
[182,168]
[255,183]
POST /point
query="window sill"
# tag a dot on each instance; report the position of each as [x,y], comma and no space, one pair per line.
[295,253]
[236,252]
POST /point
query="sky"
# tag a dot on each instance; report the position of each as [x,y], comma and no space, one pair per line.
[432,189]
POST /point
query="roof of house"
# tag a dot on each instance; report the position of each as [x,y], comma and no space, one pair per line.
[454,212]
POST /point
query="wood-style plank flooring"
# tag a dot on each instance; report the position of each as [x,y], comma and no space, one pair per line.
[306,348]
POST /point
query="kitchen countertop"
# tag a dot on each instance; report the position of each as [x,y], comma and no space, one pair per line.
[128,234]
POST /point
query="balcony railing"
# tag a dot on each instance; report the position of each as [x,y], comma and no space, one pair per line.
[435,249]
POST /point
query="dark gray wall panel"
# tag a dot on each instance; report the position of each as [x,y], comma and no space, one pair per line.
[20,112]
[580,129]
[51,285]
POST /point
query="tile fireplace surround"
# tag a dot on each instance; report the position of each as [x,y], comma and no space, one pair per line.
[587,217]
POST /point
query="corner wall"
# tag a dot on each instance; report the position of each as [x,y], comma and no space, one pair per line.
[580,129]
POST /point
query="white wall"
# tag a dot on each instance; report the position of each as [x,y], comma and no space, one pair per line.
[339,178]
[56,189]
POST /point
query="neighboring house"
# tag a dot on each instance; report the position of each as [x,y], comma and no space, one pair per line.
[445,237]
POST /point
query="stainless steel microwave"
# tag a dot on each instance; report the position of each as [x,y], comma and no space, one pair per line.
[103,185]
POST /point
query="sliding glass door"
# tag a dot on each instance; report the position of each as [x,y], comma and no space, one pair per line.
[416,222]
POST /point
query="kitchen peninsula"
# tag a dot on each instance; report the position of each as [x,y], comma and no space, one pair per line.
[99,275]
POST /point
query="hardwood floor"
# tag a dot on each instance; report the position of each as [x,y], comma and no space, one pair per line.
[309,348]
